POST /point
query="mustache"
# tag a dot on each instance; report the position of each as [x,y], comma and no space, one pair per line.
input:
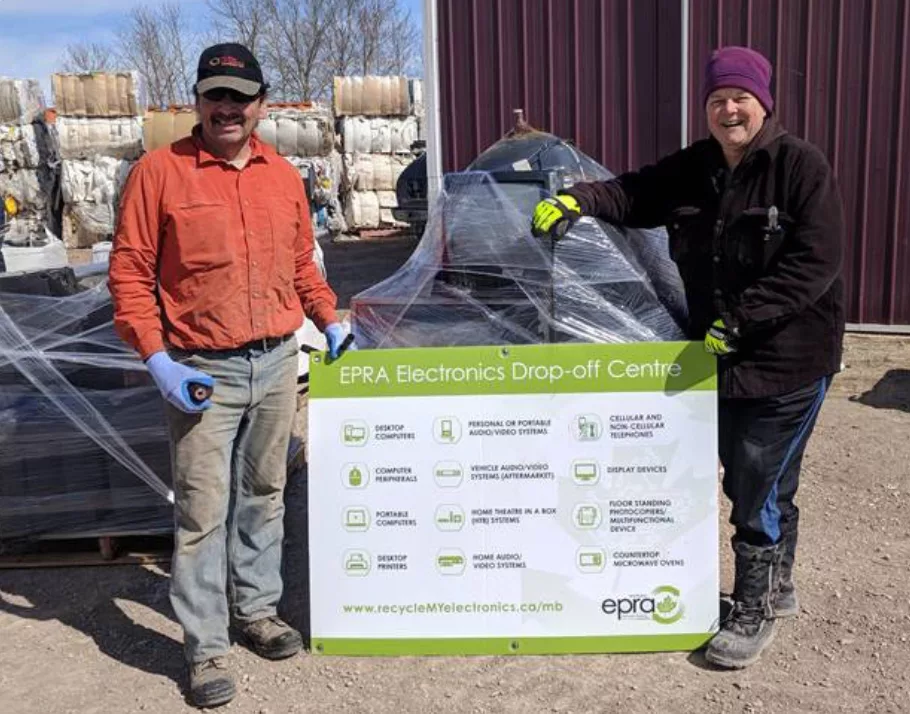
[226,117]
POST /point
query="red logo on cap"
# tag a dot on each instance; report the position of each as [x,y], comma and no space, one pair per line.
[226,61]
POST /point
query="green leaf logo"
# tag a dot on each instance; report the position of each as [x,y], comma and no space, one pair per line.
[668,606]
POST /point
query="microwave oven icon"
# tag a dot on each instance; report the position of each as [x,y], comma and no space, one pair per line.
[590,560]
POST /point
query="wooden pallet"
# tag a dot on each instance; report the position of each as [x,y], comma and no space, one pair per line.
[120,549]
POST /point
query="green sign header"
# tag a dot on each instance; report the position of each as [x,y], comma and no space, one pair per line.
[527,369]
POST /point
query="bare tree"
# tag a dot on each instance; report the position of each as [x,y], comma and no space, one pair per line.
[373,37]
[92,57]
[156,43]
[242,21]
[301,44]
[294,46]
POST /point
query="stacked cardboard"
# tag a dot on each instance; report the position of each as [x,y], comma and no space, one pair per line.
[99,132]
[164,127]
[378,121]
[27,158]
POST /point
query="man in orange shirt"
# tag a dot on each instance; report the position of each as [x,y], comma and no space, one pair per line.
[211,273]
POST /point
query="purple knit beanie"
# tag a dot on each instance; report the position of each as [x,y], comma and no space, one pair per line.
[739,67]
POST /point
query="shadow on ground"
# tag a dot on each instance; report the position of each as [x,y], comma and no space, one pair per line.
[892,391]
[88,605]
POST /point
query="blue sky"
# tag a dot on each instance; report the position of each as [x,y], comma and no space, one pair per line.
[35,33]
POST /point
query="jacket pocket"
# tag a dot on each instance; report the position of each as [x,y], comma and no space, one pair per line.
[285,221]
[759,237]
[684,226]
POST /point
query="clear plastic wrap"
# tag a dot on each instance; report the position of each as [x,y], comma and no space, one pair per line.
[83,443]
[83,437]
[479,277]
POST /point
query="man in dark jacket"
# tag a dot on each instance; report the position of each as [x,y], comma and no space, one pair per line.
[756,228]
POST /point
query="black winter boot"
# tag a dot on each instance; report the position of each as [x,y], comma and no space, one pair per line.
[784,602]
[750,626]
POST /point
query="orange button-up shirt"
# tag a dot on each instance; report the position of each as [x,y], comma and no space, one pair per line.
[208,256]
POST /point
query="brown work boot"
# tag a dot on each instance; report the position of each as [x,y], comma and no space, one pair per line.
[272,638]
[211,684]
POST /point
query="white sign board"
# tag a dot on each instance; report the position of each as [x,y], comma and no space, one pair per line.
[538,499]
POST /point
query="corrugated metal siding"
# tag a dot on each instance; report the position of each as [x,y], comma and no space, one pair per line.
[602,72]
[607,73]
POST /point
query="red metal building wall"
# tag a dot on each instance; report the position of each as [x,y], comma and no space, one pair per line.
[607,74]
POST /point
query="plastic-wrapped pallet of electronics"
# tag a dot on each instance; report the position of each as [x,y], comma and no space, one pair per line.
[479,277]
[83,443]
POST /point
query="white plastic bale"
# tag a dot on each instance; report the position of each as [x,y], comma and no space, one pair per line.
[267,131]
[380,135]
[27,146]
[87,223]
[356,135]
[417,106]
[286,136]
[98,180]
[404,133]
[361,210]
[374,172]
[30,188]
[83,138]
[298,132]
[21,101]
[327,171]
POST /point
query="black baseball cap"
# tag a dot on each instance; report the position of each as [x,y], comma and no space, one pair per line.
[231,66]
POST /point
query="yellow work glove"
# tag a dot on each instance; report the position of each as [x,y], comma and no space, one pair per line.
[720,340]
[554,216]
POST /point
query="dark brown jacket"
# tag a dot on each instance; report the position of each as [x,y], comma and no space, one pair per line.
[779,287]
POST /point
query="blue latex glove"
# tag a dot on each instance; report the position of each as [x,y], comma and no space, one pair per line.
[174,381]
[335,334]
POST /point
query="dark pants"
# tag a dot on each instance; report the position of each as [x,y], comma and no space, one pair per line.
[762,441]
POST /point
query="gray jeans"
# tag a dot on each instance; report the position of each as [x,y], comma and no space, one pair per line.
[229,468]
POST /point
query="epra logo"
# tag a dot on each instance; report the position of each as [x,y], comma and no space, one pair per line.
[664,606]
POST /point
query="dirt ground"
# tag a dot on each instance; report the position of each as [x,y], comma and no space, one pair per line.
[103,639]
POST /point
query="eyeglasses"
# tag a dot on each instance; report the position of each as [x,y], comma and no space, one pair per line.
[219,94]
